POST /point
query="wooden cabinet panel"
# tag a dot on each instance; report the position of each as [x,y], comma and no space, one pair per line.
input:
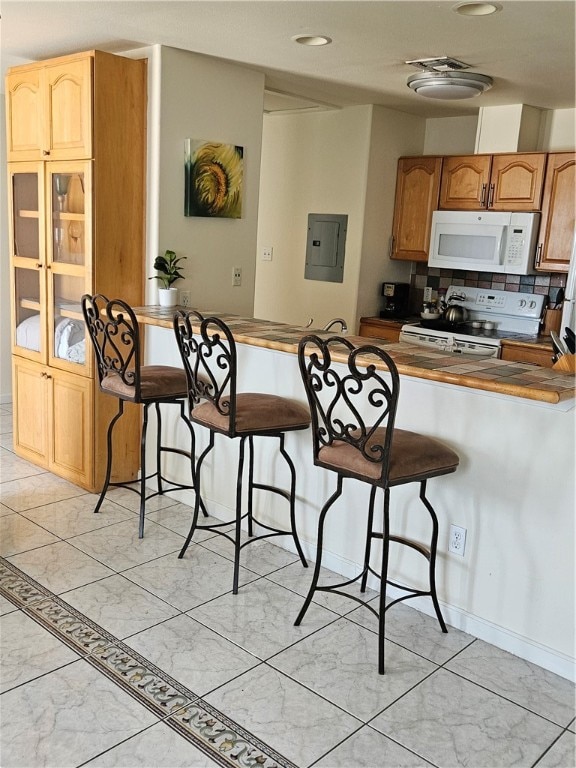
[49,110]
[417,186]
[507,182]
[516,182]
[527,353]
[30,404]
[556,237]
[24,115]
[53,420]
[71,430]
[374,327]
[68,92]
[465,181]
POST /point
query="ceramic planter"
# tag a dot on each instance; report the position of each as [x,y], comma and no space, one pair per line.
[168,297]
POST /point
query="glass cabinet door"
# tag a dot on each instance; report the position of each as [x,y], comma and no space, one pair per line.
[27,238]
[69,263]
[68,237]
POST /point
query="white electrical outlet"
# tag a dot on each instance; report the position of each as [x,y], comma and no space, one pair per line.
[427,293]
[185,298]
[236,276]
[267,251]
[457,541]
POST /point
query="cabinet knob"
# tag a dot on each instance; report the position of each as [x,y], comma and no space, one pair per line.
[45,151]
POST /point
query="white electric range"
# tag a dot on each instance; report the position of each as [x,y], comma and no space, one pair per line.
[492,316]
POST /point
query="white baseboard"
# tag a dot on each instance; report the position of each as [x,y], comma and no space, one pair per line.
[548,658]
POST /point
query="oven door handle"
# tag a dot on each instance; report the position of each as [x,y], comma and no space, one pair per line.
[473,348]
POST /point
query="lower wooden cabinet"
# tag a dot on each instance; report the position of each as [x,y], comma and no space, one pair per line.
[537,354]
[61,420]
[376,328]
[53,420]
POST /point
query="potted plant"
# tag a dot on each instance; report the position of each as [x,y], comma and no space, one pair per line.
[169,272]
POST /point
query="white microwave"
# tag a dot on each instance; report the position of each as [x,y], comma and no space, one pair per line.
[484,241]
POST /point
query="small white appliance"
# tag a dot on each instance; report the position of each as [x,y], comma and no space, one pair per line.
[484,241]
[492,316]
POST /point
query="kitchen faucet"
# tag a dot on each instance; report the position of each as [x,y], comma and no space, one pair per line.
[343,326]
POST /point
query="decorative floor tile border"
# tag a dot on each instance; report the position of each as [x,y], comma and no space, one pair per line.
[209,730]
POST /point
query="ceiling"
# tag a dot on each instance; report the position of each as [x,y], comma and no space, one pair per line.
[528,48]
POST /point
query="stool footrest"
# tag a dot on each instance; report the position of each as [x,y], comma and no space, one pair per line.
[273,489]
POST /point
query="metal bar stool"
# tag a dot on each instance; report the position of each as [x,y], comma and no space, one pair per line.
[371,450]
[115,336]
[210,362]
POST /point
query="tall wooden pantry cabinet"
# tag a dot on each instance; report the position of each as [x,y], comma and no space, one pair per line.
[76,149]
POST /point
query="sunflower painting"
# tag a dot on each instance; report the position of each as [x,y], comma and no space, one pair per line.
[213,179]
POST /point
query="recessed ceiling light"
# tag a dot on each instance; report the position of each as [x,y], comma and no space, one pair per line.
[476,9]
[312,39]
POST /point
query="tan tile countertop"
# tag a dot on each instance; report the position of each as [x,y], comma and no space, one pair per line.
[483,373]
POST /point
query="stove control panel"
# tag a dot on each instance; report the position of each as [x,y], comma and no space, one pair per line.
[528,305]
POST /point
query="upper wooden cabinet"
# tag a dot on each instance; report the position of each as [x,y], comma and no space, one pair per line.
[508,182]
[557,224]
[417,187]
[49,110]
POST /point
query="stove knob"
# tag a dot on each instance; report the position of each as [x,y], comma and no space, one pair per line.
[522,303]
[532,305]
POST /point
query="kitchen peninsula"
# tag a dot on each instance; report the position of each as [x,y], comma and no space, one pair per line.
[512,425]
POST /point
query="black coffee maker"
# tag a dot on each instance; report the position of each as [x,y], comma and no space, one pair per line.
[396,300]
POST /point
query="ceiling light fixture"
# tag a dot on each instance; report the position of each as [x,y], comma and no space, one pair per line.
[312,39]
[449,85]
[476,9]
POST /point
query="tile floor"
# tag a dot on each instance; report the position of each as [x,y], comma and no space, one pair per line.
[115,653]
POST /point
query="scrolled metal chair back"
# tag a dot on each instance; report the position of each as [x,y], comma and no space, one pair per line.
[113,330]
[208,354]
[350,401]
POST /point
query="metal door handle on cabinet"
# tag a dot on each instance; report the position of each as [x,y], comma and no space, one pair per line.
[538,255]
[491,196]
[483,195]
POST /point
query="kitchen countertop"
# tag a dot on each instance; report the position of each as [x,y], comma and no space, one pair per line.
[487,374]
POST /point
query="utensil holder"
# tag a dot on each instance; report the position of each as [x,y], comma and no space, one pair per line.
[552,321]
[566,363]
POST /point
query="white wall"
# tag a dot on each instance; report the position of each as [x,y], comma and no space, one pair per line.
[450,135]
[393,134]
[559,130]
[311,163]
[334,162]
[203,98]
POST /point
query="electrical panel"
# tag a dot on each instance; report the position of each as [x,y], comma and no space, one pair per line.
[325,247]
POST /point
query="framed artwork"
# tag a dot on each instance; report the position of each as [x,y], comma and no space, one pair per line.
[213,179]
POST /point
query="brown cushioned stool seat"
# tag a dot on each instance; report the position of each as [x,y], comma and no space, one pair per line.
[353,407]
[115,336]
[209,357]
[412,458]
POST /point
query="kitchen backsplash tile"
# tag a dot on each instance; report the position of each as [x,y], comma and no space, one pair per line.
[544,283]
